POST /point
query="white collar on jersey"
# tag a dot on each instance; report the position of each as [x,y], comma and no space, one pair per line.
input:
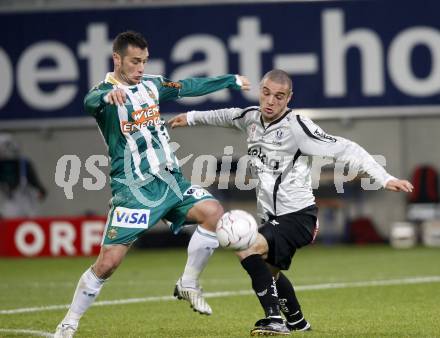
[110,78]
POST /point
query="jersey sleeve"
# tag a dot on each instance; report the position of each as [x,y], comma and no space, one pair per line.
[228,118]
[312,140]
[94,100]
[195,86]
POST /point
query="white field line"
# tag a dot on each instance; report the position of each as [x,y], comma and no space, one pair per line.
[325,286]
[28,332]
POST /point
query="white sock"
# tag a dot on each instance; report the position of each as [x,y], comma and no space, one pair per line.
[200,248]
[87,290]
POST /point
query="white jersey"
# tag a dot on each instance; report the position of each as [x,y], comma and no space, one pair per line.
[281,153]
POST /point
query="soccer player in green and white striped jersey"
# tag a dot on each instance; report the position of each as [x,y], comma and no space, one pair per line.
[146,180]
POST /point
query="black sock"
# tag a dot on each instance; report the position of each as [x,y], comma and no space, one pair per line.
[286,294]
[263,284]
[289,303]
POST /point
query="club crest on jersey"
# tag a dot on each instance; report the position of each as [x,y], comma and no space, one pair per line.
[130,218]
[279,134]
[112,233]
[197,192]
[151,94]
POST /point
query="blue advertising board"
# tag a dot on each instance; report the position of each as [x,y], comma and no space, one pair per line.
[340,54]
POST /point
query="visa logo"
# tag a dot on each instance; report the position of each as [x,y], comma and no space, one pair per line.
[134,218]
[130,218]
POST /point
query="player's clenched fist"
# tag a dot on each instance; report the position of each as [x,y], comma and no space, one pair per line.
[116,96]
[245,83]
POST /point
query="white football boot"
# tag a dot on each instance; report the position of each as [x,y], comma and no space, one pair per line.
[194,296]
[65,331]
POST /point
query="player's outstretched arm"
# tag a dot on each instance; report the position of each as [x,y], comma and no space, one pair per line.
[180,120]
[399,185]
[198,86]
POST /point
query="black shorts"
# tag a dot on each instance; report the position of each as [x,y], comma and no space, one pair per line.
[289,232]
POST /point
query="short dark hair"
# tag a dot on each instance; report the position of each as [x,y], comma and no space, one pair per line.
[278,76]
[124,39]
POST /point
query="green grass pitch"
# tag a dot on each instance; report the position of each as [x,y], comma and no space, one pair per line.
[345,291]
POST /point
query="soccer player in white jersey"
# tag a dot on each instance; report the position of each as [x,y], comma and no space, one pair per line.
[146,180]
[280,144]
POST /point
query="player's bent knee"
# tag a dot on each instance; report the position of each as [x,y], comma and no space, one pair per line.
[212,211]
[260,247]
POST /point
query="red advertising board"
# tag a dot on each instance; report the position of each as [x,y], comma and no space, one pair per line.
[55,236]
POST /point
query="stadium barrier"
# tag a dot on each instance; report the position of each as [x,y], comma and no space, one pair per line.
[51,236]
[73,236]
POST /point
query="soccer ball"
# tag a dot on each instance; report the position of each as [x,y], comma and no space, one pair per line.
[237,230]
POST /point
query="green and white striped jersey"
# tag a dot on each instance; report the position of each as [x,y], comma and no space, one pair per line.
[135,133]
